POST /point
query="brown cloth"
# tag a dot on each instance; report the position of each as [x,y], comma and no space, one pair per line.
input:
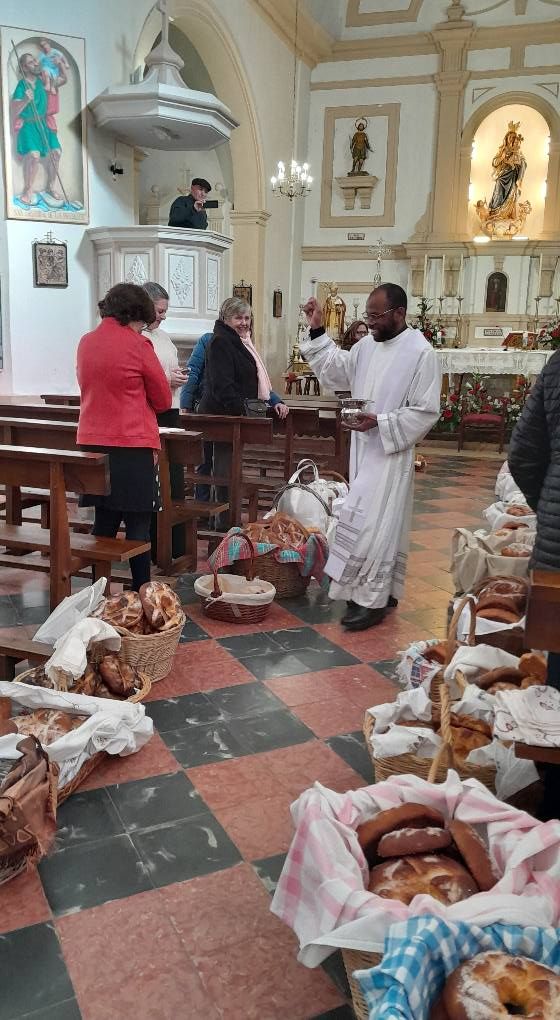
[28,805]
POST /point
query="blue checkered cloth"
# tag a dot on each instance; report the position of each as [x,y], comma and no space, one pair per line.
[422,952]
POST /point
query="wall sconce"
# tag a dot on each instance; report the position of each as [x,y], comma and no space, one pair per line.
[116,170]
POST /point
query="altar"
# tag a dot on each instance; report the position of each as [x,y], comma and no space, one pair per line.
[492,361]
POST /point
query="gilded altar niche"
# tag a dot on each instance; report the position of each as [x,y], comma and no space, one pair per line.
[504,216]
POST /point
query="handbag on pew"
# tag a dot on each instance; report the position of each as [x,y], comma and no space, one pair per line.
[311,503]
[255,408]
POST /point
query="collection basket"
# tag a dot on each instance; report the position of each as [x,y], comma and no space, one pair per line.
[216,605]
[450,649]
[433,769]
[355,959]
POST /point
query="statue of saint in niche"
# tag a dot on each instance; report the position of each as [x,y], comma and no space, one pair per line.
[496,292]
[504,216]
[359,148]
[334,311]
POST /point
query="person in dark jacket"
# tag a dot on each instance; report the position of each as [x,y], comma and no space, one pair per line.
[230,378]
[534,461]
[188,210]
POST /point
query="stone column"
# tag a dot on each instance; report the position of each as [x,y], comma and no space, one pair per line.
[551,225]
[249,256]
[452,39]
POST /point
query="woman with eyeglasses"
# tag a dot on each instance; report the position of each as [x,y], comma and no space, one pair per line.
[398,372]
[356,331]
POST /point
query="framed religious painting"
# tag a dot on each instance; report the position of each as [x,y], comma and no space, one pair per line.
[243,290]
[44,114]
[277,304]
[50,263]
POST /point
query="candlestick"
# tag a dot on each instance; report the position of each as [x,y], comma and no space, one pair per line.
[440,302]
[460,281]
[557,306]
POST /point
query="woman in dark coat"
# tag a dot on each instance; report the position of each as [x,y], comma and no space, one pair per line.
[230,378]
[534,461]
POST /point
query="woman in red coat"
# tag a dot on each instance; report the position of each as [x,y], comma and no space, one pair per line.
[123,387]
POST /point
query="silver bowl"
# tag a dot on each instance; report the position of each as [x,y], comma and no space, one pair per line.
[353,407]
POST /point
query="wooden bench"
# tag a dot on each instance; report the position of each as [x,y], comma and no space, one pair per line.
[44,412]
[237,432]
[21,649]
[60,472]
[68,399]
[177,446]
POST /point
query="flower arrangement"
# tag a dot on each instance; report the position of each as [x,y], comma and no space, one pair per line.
[477,400]
[549,335]
[431,328]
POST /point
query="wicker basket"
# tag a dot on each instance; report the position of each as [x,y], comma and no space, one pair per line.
[82,774]
[141,694]
[433,769]
[285,577]
[235,612]
[151,654]
[354,959]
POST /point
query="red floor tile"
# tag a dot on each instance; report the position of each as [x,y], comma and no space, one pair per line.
[200,666]
[261,980]
[229,906]
[259,827]
[154,759]
[327,718]
[125,959]
[358,684]
[23,902]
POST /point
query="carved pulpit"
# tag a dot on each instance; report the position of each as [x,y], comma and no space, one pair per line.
[189,264]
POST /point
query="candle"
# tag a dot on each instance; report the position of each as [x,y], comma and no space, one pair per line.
[460,281]
[442,288]
[425,281]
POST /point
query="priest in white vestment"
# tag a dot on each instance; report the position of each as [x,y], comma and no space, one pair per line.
[398,370]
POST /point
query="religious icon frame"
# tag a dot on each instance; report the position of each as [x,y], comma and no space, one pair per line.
[60,111]
[50,260]
[277,304]
[243,290]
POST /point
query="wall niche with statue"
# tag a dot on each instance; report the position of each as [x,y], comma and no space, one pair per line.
[496,292]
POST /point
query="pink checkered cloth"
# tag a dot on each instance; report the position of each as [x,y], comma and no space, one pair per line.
[322,891]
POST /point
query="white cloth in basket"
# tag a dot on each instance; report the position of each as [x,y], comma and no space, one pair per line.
[531,716]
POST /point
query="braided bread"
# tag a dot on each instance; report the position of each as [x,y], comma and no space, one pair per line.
[162,607]
[279,530]
[124,610]
[47,725]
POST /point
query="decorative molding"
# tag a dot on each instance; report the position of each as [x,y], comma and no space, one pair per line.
[135,270]
[346,253]
[490,37]
[550,86]
[181,277]
[384,46]
[103,274]
[212,283]
[355,18]
[314,43]
[478,93]
[391,111]
[368,83]
[518,73]
[517,56]
[255,217]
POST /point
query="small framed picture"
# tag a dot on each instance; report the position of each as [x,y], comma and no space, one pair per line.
[243,290]
[50,264]
[277,304]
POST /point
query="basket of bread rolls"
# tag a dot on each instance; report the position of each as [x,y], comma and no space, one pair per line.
[106,676]
[285,533]
[460,734]
[150,623]
[502,602]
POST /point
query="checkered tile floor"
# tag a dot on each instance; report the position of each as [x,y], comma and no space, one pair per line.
[154,904]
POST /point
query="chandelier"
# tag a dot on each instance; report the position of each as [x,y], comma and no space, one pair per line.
[297,182]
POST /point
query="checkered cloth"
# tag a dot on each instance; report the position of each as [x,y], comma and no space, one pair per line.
[311,556]
[422,952]
[322,893]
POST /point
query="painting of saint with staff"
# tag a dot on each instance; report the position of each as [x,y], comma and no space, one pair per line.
[44,125]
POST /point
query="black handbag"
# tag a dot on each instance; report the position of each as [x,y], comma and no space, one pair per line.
[255,408]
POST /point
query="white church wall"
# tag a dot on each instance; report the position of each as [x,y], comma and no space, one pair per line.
[43,325]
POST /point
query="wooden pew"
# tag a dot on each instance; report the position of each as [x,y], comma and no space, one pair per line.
[44,412]
[69,399]
[19,649]
[60,472]
[238,432]
[177,445]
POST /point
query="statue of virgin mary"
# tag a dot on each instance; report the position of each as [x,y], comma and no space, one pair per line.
[509,166]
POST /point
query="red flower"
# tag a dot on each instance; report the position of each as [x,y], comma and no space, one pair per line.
[453,398]
[448,413]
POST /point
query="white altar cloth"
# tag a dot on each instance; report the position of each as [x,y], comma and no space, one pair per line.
[492,361]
